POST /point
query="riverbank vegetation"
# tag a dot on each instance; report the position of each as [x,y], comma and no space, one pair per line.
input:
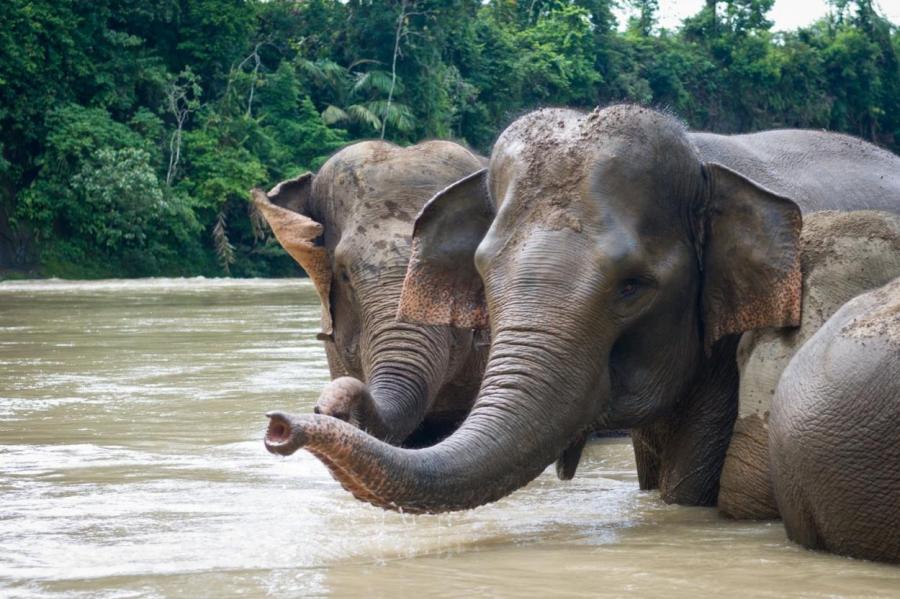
[131,132]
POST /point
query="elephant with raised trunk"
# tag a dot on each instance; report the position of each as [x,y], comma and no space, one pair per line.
[350,226]
[834,433]
[619,257]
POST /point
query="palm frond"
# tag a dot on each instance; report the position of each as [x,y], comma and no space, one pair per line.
[310,69]
[406,121]
[363,114]
[333,114]
[396,114]
[324,71]
[332,69]
[379,81]
[224,249]
[362,82]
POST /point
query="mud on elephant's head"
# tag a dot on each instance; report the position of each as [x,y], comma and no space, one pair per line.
[611,260]
[349,227]
[636,255]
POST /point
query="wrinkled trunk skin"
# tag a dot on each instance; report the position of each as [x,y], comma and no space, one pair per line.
[511,435]
[408,367]
[403,366]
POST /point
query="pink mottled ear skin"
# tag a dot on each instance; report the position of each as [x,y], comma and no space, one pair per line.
[442,285]
[433,296]
[296,233]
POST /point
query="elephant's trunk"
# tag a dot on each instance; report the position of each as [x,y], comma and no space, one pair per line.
[406,365]
[408,368]
[513,433]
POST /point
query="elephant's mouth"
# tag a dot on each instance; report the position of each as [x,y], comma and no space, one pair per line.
[280,438]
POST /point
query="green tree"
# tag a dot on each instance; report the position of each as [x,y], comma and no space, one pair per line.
[131,132]
[98,207]
[358,98]
[645,19]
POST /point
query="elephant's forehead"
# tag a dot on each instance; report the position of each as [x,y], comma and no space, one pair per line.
[551,155]
[554,170]
[373,182]
[560,147]
[570,187]
[591,175]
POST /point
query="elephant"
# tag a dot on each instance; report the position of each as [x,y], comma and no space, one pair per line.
[350,226]
[833,435]
[616,259]
[842,254]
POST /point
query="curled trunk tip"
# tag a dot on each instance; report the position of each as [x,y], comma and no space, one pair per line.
[282,437]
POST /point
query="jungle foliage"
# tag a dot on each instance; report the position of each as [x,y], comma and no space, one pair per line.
[131,131]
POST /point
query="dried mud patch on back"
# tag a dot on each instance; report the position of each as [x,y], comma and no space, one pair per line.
[821,231]
[882,319]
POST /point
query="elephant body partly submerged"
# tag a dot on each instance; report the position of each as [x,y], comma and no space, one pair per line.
[843,254]
[350,227]
[834,435]
[620,259]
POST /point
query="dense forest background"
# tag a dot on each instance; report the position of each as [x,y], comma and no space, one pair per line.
[131,131]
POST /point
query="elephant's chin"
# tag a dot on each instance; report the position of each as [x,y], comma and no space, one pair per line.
[282,437]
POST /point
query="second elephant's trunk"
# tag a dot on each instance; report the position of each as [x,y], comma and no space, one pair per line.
[403,367]
[408,366]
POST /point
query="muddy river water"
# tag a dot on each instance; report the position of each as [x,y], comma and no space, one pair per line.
[132,465]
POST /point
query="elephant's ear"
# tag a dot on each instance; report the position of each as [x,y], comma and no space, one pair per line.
[283,208]
[442,286]
[750,257]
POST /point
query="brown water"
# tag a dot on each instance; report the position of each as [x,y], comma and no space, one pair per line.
[131,465]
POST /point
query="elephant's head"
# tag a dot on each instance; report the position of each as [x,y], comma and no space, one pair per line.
[611,260]
[349,227]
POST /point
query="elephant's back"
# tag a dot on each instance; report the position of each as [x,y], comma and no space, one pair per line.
[847,366]
[834,443]
[817,169]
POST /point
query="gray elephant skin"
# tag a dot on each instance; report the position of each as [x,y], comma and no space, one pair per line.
[834,435]
[350,227]
[842,254]
[620,258]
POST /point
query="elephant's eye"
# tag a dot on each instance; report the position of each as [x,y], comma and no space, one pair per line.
[630,288]
[342,273]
